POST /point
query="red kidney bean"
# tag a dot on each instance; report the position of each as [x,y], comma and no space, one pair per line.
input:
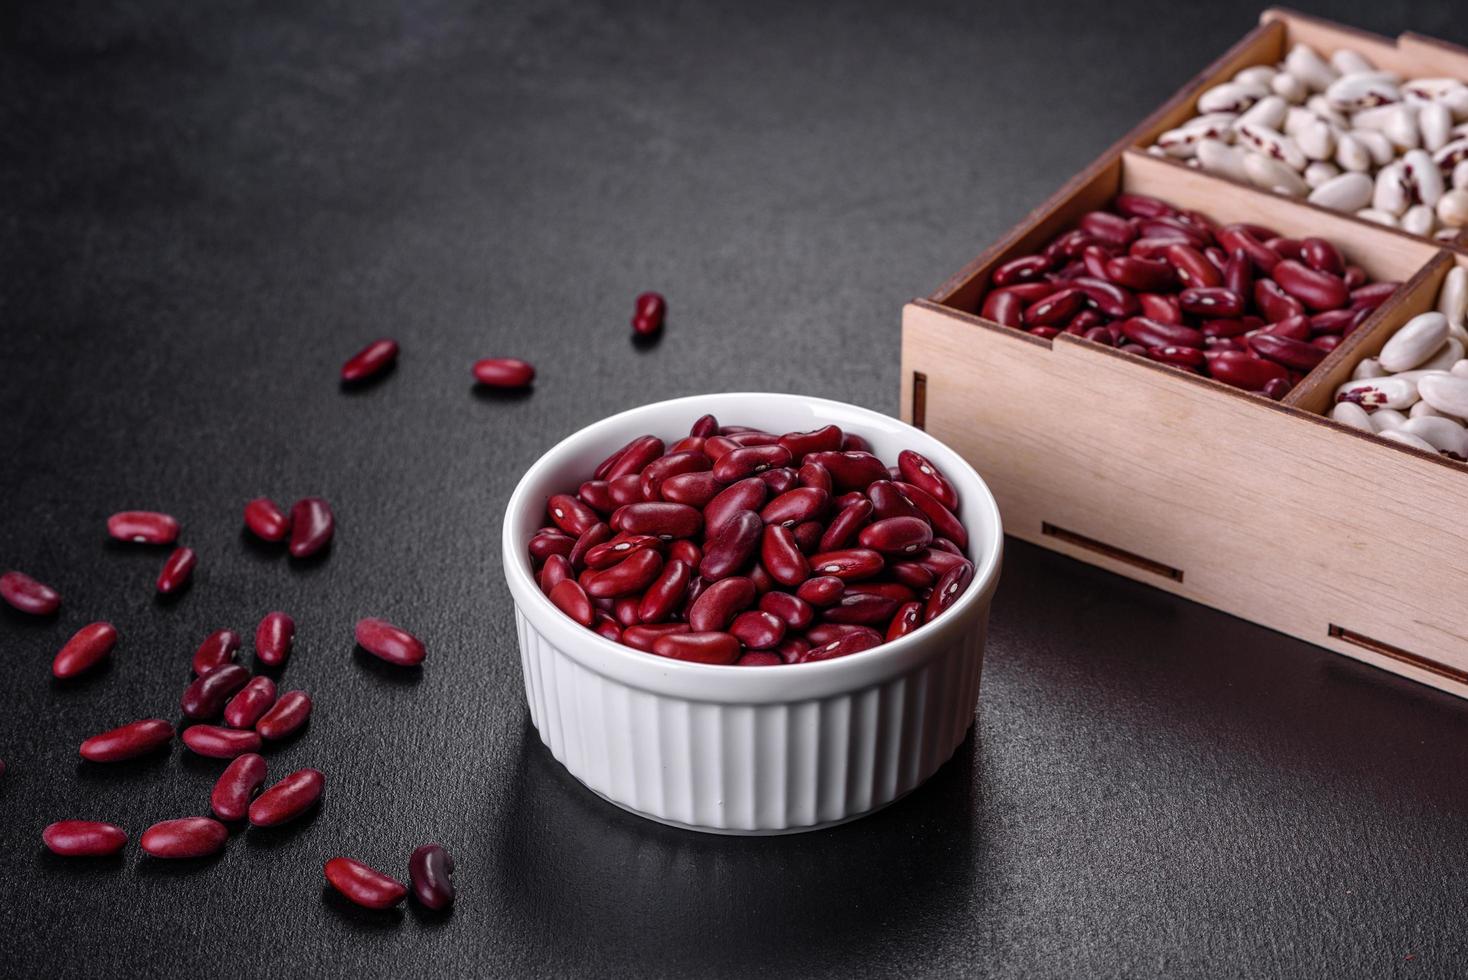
[250,704]
[1142,206]
[847,564]
[605,466]
[716,607]
[842,646]
[429,870]
[1243,370]
[1373,295]
[128,741]
[266,520]
[648,313]
[1141,274]
[370,360]
[665,593]
[896,535]
[205,697]
[143,527]
[939,561]
[715,447]
[1327,342]
[952,585]
[694,489]
[1026,268]
[1056,308]
[846,524]
[388,642]
[1160,309]
[606,627]
[29,596]
[217,649]
[543,544]
[1355,277]
[638,453]
[608,553]
[84,650]
[814,475]
[747,494]
[920,472]
[624,611]
[670,465]
[312,525]
[908,617]
[1192,266]
[1211,302]
[1004,308]
[796,613]
[800,444]
[230,799]
[853,443]
[1331,321]
[504,372]
[1154,333]
[888,501]
[217,742]
[796,506]
[762,580]
[1288,248]
[807,536]
[704,426]
[821,591]
[1293,327]
[1322,256]
[1238,238]
[571,599]
[286,718]
[759,658]
[685,551]
[1185,357]
[1238,275]
[911,574]
[1274,302]
[1276,388]
[288,799]
[1291,353]
[749,460]
[570,514]
[823,633]
[757,629]
[632,574]
[780,480]
[84,838]
[596,494]
[1229,327]
[176,570]
[851,470]
[189,837]
[661,518]
[1108,298]
[781,556]
[699,647]
[943,520]
[277,632]
[363,885]
[1080,325]
[1317,290]
[790,650]
[643,637]
[861,608]
[1108,227]
[593,536]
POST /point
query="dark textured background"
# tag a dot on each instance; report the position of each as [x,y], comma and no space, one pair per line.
[204,208]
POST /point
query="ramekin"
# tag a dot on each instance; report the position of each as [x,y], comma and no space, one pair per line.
[749,750]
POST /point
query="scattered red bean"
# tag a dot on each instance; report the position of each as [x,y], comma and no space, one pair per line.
[364,885]
[504,372]
[220,743]
[285,719]
[28,595]
[217,650]
[143,527]
[84,838]
[128,741]
[370,360]
[287,799]
[176,570]
[391,643]
[273,638]
[648,313]
[312,525]
[230,799]
[250,704]
[188,837]
[429,870]
[205,697]
[266,520]
[84,650]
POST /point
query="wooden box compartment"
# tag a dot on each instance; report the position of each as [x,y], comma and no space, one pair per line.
[1279,30]
[1266,510]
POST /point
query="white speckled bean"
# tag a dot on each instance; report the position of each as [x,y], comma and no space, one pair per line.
[1379,217]
[1271,143]
[1310,68]
[1230,97]
[1260,75]
[1391,194]
[1419,220]
[1289,88]
[1353,415]
[1417,340]
[1369,367]
[1407,439]
[1447,393]
[1381,149]
[1386,419]
[1272,175]
[1436,124]
[1424,177]
[1378,393]
[1218,157]
[1320,173]
[1347,192]
[1452,208]
[1441,432]
[1351,153]
[1268,112]
[1361,90]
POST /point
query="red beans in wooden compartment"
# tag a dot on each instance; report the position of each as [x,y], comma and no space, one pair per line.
[128,742]
[287,799]
[230,799]
[429,870]
[143,527]
[274,637]
[392,643]
[266,520]
[86,648]
[291,711]
[217,650]
[1176,286]
[189,837]
[312,525]
[371,360]
[737,546]
[84,838]
[364,885]
[29,596]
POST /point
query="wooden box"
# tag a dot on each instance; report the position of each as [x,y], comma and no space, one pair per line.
[1266,510]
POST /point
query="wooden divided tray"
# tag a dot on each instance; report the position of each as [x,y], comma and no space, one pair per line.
[1266,510]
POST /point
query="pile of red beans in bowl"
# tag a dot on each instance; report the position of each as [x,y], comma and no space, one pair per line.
[743,547]
[1240,302]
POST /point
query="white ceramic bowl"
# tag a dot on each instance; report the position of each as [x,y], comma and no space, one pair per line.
[749,750]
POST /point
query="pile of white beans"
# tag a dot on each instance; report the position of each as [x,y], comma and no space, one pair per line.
[1415,391]
[1340,132]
